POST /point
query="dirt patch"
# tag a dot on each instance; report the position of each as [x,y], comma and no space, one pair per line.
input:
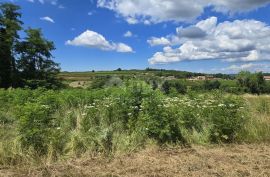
[80,84]
[219,161]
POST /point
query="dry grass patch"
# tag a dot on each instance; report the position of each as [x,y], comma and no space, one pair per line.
[229,161]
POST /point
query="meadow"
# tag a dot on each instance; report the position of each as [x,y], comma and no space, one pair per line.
[138,122]
[46,126]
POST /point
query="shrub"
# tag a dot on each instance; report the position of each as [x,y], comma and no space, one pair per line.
[114,82]
[166,87]
[35,126]
[158,122]
[228,119]
[178,86]
[99,82]
[211,85]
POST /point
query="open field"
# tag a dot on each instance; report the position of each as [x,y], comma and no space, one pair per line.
[137,88]
[133,130]
[226,161]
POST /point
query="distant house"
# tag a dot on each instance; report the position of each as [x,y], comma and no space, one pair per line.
[202,78]
[170,78]
[267,78]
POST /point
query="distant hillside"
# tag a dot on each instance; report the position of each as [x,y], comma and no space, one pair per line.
[134,72]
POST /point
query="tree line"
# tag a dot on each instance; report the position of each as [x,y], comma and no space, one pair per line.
[28,61]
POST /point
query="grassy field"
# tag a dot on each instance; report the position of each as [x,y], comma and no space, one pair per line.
[133,130]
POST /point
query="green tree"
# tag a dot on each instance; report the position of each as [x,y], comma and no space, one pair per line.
[180,87]
[166,87]
[35,62]
[118,69]
[211,85]
[154,85]
[251,82]
[9,27]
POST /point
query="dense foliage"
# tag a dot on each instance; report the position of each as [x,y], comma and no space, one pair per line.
[54,124]
[26,62]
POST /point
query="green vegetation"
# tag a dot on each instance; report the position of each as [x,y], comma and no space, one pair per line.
[114,112]
[51,125]
[27,62]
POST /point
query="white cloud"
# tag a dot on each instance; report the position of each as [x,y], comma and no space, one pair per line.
[61,7]
[52,2]
[155,11]
[158,41]
[253,67]
[93,39]
[128,34]
[238,5]
[240,40]
[48,19]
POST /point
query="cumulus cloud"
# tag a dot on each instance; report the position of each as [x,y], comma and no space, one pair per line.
[153,11]
[52,2]
[93,39]
[239,40]
[191,32]
[154,41]
[128,34]
[48,19]
[238,5]
[253,67]
[142,11]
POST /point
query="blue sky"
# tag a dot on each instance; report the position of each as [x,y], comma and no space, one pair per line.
[203,36]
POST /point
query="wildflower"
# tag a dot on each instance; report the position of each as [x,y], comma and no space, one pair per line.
[45,106]
[88,107]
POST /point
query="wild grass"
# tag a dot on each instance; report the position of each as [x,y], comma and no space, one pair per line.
[257,128]
[43,126]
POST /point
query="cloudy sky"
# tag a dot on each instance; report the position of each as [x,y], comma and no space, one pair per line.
[202,36]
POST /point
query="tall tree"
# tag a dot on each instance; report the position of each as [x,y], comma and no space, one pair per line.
[35,59]
[251,82]
[9,27]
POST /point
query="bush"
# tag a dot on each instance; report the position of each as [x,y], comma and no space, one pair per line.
[99,82]
[211,85]
[158,122]
[180,88]
[228,119]
[35,126]
[66,123]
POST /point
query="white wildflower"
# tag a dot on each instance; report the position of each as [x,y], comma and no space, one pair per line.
[221,105]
